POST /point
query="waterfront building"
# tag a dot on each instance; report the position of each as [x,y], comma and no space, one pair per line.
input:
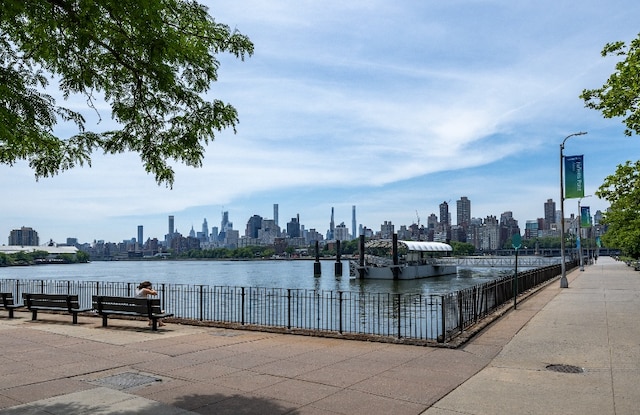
[531,229]
[25,236]
[205,231]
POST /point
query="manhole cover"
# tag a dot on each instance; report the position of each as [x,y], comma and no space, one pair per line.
[127,380]
[565,368]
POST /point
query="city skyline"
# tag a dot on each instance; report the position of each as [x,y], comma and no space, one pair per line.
[391,107]
[464,215]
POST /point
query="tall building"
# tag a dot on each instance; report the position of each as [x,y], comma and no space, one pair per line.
[332,228]
[253,226]
[463,211]
[387,230]
[353,222]
[342,232]
[24,236]
[275,213]
[205,230]
[549,213]
[225,225]
[293,227]
[140,237]
[171,225]
[444,214]
[445,222]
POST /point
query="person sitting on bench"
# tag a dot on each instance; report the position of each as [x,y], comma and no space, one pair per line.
[144,290]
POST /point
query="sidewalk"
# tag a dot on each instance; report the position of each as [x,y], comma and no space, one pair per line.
[592,326]
[53,367]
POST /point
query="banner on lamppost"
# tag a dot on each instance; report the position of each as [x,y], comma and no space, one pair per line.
[573,177]
[585,216]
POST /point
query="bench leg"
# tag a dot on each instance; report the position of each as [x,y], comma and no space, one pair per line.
[34,314]
[104,320]
[75,318]
[154,324]
[11,313]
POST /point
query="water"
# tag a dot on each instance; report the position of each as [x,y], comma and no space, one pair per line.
[271,274]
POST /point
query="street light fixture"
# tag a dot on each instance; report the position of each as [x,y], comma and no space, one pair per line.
[580,232]
[563,280]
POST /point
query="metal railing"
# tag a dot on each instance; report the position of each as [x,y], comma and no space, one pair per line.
[415,317]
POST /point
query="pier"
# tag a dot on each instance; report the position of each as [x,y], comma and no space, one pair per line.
[500,261]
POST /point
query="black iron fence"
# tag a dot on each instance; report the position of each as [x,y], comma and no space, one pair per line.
[417,317]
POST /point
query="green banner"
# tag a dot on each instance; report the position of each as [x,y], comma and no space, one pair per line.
[585,216]
[573,177]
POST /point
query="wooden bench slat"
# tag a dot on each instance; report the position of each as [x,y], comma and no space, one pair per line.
[128,306]
[8,303]
[53,302]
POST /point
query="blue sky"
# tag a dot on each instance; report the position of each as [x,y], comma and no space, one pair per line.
[393,107]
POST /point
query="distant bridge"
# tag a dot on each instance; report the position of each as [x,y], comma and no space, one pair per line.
[501,261]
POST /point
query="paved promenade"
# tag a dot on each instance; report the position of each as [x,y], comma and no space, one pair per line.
[53,367]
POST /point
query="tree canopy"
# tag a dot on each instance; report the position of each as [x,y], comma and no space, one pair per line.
[152,60]
[622,191]
[620,95]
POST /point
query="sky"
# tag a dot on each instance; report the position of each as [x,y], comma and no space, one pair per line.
[392,107]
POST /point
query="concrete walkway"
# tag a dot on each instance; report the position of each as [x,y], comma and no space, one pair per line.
[53,367]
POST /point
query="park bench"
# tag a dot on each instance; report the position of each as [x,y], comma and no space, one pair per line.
[129,306]
[8,304]
[53,302]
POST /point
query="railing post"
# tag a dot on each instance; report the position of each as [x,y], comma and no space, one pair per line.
[460,312]
[201,302]
[444,320]
[289,308]
[162,299]
[399,298]
[340,312]
[242,306]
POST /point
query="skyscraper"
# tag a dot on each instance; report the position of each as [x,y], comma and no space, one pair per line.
[332,228]
[205,230]
[140,237]
[275,213]
[549,213]
[171,227]
[463,211]
[353,222]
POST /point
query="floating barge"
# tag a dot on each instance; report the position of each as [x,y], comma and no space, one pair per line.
[387,259]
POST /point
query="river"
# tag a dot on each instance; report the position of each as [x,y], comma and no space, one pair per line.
[297,274]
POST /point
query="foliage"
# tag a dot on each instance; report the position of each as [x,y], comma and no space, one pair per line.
[151,60]
[462,248]
[622,191]
[620,95]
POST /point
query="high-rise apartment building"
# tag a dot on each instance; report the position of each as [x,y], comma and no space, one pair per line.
[387,230]
[353,222]
[275,213]
[549,213]
[463,211]
[24,236]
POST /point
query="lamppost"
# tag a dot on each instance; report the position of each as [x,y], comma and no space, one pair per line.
[563,280]
[579,244]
